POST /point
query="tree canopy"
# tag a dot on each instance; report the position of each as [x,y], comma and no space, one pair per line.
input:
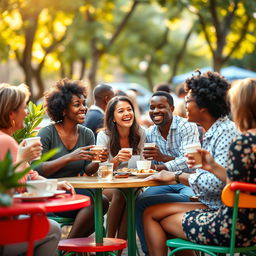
[148,41]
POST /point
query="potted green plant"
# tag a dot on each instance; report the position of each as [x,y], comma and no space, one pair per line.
[9,177]
[31,121]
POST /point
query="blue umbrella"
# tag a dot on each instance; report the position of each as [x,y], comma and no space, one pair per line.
[230,73]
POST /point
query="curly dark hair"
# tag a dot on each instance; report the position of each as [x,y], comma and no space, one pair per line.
[111,129]
[59,97]
[209,91]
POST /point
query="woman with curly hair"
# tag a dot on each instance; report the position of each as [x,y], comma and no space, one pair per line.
[206,105]
[66,105]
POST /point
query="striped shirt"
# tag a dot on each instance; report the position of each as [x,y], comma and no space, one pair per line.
[181,133]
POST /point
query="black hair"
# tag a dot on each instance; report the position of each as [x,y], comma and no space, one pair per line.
[209,91]
[166,95]
[101,90]
[60,96]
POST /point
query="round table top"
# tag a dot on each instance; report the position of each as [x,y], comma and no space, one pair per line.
[95,182]
[59,203]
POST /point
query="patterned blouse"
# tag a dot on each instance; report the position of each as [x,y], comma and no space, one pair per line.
[217,141]
[209,226]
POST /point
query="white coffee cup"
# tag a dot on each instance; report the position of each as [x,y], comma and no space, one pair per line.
[38,187]
[97,150]
[128,149]
[143,164]
[192,150]
[53,185]
[32,140]
[106,171]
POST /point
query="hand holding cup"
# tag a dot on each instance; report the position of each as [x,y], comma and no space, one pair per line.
[30,149]
[194,156]
[100,154]
[124,154]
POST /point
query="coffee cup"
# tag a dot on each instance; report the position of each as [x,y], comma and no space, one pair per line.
[143,164]
[192,150]
[32,140]
[53,184]
[38,187]
[149,145]
[97,150]
[106,171]
[128,149]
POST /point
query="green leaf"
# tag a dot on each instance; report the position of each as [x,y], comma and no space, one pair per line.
[32,121]
[9,177]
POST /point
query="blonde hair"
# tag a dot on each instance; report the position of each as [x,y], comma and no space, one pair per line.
[242,96]
[11,98]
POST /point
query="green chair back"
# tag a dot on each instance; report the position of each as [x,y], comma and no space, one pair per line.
[234,195]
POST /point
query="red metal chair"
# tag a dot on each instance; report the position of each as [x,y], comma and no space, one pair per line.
[28,229]
[236,195]
[89,245]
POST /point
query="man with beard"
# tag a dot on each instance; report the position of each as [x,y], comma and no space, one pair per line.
[170,134]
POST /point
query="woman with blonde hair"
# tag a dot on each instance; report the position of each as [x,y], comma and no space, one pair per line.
[13,109]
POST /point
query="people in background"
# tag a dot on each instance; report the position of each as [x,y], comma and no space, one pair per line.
[13,109]
[170,134]
[95,116]
[65,104]
[212,225]
[180,109]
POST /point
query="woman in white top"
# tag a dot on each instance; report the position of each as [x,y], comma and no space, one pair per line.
[121,130]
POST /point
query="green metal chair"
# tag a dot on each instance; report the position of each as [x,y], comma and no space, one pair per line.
[62,221]
[234,195]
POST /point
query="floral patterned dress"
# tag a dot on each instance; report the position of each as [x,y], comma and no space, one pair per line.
[209,226]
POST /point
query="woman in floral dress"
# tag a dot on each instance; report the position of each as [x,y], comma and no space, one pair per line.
[209,226]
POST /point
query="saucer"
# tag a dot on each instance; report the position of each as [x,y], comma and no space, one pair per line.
[27,197]
[59,192]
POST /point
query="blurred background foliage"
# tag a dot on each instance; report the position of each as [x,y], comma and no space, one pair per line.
[145,41]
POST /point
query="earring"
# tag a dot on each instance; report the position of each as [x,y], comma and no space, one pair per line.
[13,123]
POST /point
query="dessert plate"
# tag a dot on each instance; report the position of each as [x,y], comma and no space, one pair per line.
[142,174]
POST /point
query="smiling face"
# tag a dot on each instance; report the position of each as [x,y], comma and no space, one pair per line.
[192,109]
[19,115]
[160,110]
[123,114]
[76,109]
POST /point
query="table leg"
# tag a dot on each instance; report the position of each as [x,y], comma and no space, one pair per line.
[131,229]
[98,218]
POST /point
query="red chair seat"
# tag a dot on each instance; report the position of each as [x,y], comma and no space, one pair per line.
[88,245]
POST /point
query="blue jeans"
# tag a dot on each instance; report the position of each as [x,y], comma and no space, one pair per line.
[158,195]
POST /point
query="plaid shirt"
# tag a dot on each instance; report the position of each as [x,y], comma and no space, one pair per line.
[181,133]
[217,141]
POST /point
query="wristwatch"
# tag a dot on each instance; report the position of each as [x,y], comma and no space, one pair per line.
[177,175]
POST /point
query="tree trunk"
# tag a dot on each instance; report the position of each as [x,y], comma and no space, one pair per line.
[149,77]
[82,68]
[40,84]
[26,60]
[217,63]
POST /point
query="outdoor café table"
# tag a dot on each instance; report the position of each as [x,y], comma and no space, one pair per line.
[59,203]
[127,186]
